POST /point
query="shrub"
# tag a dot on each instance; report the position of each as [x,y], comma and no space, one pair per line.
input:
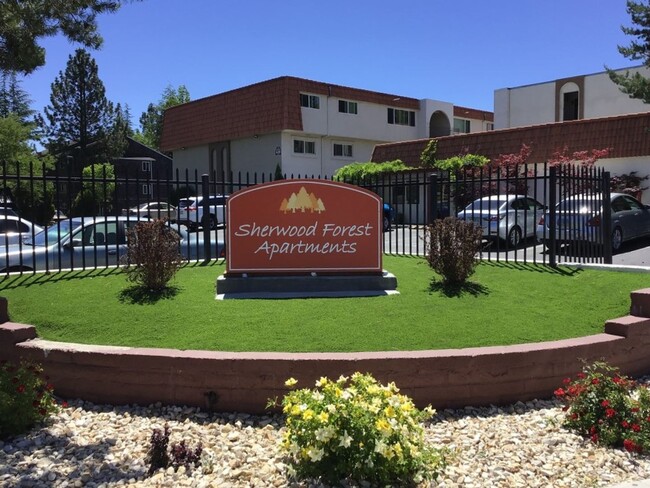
[610,409]
[452,245]
[160,456]
[153,254]
[359,430]
[26,397]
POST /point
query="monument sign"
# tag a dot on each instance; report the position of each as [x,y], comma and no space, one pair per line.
[301,226]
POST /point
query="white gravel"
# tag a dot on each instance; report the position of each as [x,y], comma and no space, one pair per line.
[88,445]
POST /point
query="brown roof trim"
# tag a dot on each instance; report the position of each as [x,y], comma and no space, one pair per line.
[625,136]
[473,113]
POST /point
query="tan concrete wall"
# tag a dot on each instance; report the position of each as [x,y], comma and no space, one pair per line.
[244,382]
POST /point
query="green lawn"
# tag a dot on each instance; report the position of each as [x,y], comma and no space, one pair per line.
[504,304]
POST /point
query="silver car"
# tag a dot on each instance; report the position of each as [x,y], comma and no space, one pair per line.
[510,218]
[579,219]
[13,229]
[190,211]
[87,242]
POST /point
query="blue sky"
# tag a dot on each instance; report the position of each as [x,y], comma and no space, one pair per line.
[455,51]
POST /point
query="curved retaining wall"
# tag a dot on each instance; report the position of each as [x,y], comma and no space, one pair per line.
[244,382]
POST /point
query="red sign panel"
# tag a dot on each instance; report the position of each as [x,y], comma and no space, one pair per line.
[303,226]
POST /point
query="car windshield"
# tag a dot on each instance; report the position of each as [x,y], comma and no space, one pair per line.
[479,204]
[579,205]
[50,234]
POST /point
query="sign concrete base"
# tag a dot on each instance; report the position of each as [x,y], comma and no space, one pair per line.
[306,286]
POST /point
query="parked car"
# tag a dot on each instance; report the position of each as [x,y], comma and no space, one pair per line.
[579,219]
[190,211]
[87,242]
[510,218]
[13,229]
[153,210]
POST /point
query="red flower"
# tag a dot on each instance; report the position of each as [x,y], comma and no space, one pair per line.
[625,424]
[49,387]
[574,416]
[42,411]
[604,403]
[20,389]
[559,392]
[592,429]
[629,445]
[634,409]
[581,376]
[595,381]
[566,381]
[594,438]
[610,412]
[617,379]
[64,404]
[636,427]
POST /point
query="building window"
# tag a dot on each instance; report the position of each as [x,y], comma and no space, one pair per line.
[571,106]
[343,150]
[301,146]
[309,101]
[461,126]
[146,166]
[147,189]
[489,126]
[346,107]
[401,117]
[406,194]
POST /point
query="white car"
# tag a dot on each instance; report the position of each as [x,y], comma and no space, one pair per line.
[190,211]
[510,218]
[13,229]
[153,210]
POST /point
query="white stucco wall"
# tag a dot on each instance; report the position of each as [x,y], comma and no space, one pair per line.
[535,104]
[370,122]
[192,159]
[621,166]
[256,155]
[525,105]
[603,97]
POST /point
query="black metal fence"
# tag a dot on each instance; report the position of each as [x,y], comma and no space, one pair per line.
[535,214]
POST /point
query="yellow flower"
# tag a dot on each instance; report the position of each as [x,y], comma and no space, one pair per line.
[295,410]
[291,382]
[389,411]
[322,381]
[382,425]
[308,414]
[323,417]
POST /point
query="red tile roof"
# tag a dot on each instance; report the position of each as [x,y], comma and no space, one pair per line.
[624,135]
[261,108]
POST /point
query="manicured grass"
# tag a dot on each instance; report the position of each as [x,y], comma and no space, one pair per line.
[504,304]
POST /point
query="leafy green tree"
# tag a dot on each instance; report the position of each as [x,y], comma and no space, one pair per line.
[98,187]
[151,121]
[24,23]
[635,85]
[13,99]
[360,171]
[79,113]
[17,157]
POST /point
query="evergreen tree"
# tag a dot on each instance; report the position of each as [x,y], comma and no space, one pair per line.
[13,99]
[24,23]
[79,113]
[151,121]
[636,85]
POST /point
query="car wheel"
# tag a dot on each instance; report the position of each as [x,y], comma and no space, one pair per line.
[617,239]
[386,224]
[514,237]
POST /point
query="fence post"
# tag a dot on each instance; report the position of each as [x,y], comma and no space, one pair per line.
[607,219]
[205,193]
[552,197]
[432,198]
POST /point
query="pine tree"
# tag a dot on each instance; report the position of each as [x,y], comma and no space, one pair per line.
[636,85]
[13,99]
[79,112]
